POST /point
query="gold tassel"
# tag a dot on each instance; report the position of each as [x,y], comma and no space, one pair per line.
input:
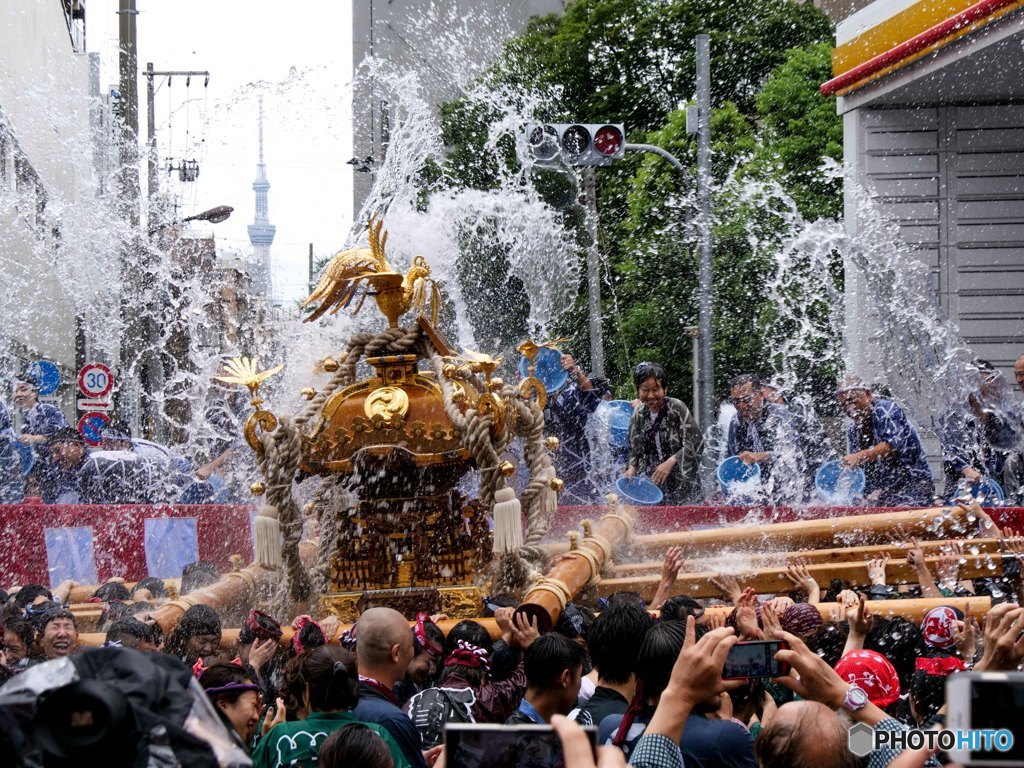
[508,522]
[267,538]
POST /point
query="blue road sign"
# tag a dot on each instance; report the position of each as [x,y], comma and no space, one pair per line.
[47,376]
[91,425]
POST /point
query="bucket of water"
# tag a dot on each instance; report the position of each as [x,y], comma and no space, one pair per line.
[837,484]
[618,413]
[639,490]
[26,456]
[738,479]
[547,367]
[986,492]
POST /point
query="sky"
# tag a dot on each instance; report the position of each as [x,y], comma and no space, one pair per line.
[298,57]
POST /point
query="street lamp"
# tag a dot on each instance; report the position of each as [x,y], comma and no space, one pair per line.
[214,215]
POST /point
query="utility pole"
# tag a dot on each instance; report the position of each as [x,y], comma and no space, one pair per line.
[593,275]
[310,269]
[154,179]
[138,361]
[703,43]
[128,70]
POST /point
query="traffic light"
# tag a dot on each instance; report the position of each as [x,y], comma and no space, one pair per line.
[577,144]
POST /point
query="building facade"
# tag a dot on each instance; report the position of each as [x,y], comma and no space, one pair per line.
[46,173]
[933,113]
[405,33]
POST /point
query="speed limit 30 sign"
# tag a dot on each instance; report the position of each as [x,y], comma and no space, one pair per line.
[95,380]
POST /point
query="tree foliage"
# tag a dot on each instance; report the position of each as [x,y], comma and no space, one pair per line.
[632,61]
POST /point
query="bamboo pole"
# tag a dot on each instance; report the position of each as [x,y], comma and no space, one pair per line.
[812,534]
[912,610]
[812,556]
[773,580]
[81,594]
[577,568]
[229,637]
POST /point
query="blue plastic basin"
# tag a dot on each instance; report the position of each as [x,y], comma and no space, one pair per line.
[839,484]
[639,490]
[619,413]
[548,369]
[738,479]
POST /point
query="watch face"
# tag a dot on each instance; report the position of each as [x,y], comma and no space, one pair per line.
[857,696]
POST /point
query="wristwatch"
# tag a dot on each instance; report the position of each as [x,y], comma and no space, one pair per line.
[855,698]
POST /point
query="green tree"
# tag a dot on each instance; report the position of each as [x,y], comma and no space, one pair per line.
[801,129]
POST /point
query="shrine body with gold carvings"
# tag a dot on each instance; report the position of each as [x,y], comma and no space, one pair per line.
[391,450]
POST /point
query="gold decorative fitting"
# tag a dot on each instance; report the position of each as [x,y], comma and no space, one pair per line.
[387,403]
[308,392]
[331,365]
[557,484]
[459,396]
[309,507]
[245,371]
[533,389]
[574,540]
[587,524]
[551,443]
[612,499]
[258,489]
[368,268]
[496,384]
[507,468]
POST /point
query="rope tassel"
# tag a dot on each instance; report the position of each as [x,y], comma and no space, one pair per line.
[508,522]
[267,538]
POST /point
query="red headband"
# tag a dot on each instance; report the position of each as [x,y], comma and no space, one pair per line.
[198,668]
[940,665]
[468,655]
[419,632]
[298,624]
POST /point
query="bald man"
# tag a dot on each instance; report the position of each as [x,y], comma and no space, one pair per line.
[806,733]
[383,652]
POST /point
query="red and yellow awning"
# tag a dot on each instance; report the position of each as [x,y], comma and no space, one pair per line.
[914,32]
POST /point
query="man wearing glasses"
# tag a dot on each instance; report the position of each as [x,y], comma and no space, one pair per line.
[764,434]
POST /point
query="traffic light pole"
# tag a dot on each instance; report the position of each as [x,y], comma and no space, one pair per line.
[703,43]
[593,275]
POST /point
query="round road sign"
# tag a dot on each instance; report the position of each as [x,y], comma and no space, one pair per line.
[95,380]
[91,425]
[47,376]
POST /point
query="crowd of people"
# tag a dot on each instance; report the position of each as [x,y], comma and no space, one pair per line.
[648,677]
[981,438]
[48,460]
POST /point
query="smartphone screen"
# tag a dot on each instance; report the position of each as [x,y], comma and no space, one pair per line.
[755,659]
[999,704]
[505,746]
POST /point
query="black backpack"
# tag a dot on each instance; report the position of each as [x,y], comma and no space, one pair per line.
[429,710]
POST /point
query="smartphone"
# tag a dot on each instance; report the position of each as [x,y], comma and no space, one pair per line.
[478,745]
[990,701]
[755,659]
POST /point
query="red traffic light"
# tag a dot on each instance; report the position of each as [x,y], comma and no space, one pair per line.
[608,140]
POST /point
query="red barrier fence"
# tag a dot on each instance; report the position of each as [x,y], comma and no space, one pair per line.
[121,540]
[117,537]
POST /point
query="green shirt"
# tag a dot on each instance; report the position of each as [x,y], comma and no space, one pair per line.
[298,743]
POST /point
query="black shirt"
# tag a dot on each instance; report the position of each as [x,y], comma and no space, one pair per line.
[604,702]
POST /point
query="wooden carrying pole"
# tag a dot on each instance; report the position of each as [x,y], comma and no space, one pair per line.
[940,522]
[773,580]
[576,569]
[912,610]
[812,556]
